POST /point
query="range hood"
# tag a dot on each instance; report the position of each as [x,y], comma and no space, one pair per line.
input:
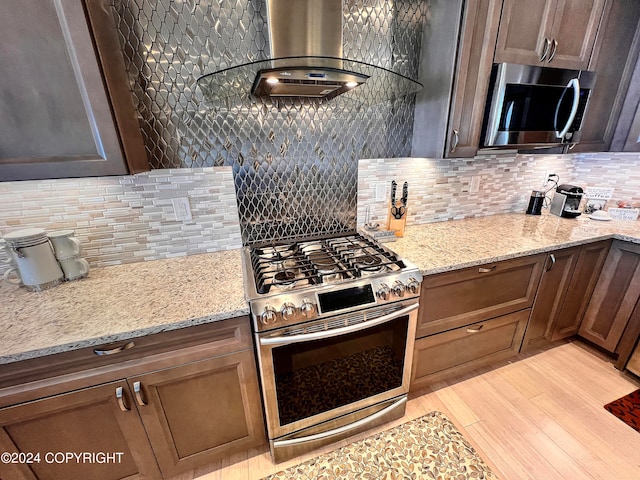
[306,61]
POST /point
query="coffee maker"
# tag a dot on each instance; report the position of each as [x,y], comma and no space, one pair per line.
[566,201]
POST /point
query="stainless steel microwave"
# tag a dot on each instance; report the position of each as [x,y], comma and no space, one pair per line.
[532,107]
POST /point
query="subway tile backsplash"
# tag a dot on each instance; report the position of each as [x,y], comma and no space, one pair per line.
[130,218]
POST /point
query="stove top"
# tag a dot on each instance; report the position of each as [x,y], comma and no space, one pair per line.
[316,262]
[298,281]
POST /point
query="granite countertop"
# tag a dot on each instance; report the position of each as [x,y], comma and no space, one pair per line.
[127,301]
[445,246]
[120,302]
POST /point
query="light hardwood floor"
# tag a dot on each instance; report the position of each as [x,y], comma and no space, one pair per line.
[539,417]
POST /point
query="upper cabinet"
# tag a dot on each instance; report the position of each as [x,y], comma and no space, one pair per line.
[65,106]
[554,33]
[473,69]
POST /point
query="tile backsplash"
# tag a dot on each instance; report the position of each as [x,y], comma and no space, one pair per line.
[439,189]
[130,218]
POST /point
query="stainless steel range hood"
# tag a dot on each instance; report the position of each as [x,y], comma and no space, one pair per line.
[306,61]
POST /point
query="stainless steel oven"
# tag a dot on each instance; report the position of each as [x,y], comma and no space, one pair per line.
[335,346]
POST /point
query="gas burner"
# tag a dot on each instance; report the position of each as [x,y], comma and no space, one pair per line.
[323,262]
[277,253]
[284,280]
[369,264]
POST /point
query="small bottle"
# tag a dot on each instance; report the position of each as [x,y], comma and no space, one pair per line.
[535,202]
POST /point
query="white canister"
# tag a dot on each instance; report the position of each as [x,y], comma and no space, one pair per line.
[65,245]
[36,265]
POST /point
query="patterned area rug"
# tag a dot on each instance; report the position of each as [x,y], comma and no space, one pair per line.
[429,447]
[627,409]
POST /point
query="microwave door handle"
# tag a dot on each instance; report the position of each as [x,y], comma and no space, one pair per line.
[575,84]
[306,337]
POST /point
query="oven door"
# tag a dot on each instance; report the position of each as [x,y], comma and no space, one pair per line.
[320,370]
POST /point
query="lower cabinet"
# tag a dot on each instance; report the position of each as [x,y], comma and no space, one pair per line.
[457,351]
[166,413]
[472,317]
[201,411]
[614,297]
[90,422]
[566,285]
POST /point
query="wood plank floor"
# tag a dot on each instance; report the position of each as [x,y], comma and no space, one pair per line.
[539,417]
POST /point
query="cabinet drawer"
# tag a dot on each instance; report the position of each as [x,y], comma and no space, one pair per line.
[454,352]
[454,299]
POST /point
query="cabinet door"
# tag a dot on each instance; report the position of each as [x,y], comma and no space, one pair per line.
[454,299]
[90,420]
[574,31]
[551,294]
[475,57]
[55,113]
[198,412]
[525,28]
[614,59]
[614,297]
[583,280]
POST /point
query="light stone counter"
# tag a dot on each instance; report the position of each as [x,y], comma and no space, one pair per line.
[132,300]
[120,302]
[440,247]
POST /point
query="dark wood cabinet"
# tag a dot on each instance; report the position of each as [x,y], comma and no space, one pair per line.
[554,33]
[614,60]
[462,297]
[200,412]
[473,317]
[471,82]
[614,297]
[90,420]
[183,400]
[65,105]
[565,288]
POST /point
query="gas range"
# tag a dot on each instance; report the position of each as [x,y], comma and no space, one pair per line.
[294,282]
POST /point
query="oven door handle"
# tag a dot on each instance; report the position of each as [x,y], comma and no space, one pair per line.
[305,337]
[339,430]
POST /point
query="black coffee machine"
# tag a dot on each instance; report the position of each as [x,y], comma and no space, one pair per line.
[566,201]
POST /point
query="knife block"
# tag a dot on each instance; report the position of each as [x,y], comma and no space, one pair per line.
[397,224]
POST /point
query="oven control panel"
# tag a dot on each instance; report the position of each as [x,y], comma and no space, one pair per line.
[300,306]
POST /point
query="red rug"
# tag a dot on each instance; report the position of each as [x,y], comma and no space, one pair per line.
[627,409]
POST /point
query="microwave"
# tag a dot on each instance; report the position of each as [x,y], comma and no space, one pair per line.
[535,107]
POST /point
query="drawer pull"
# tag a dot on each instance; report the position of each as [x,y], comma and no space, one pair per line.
[111,351]
[120,397]
[137,390]
[553,261]
[474,329]
[487,270]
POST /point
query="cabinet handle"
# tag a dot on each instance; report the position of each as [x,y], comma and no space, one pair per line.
[120,397]
[553,262]
[137,390]
[111,351]
[474,329]
[545,50]
[554,49]
[487,270]
[454,140]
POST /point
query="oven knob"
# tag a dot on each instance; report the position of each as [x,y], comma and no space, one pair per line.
[288,310]
[268,316]
[384,292]
[307,308]
[398,289]
[413,286]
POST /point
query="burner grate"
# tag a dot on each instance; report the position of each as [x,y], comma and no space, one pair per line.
[319,261]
